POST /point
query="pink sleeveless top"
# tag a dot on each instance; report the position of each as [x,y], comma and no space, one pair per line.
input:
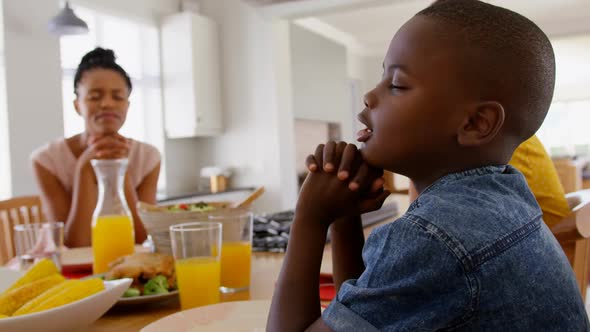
[59,160]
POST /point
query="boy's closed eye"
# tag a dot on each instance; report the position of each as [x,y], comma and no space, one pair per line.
[398,82]
[397,87]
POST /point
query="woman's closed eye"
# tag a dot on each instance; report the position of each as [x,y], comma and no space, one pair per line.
[94,96]
[118,97]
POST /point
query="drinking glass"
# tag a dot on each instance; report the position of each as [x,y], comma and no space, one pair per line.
[196,248]
[36,241]
[236,249]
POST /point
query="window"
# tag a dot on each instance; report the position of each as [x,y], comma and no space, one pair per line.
[136,46]
[565,130]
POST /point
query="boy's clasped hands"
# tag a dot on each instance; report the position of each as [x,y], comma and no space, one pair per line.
[338,189]
[340,184]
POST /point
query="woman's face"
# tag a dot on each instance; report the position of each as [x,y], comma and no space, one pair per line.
[103,101]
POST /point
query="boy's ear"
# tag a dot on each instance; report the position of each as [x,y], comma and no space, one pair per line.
[482,124]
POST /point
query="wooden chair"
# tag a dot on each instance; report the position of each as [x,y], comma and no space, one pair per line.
[573,234]
[390,184]
[15,211]
[570,173]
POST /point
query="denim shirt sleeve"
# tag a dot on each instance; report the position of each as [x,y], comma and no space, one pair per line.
[412,282]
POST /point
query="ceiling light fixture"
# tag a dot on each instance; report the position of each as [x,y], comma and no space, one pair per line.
[67,23]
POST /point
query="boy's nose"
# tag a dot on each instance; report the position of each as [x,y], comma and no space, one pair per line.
[370,100]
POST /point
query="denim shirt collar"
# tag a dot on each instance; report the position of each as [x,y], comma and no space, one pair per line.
[451,177]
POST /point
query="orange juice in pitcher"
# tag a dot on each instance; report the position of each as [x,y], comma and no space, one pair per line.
[112,237]
[112,224]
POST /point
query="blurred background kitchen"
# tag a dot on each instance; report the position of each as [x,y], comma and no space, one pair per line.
[243,90]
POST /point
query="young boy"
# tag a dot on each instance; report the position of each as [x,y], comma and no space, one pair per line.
[464,83]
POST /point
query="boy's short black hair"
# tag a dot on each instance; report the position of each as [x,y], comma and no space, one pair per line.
[510,57]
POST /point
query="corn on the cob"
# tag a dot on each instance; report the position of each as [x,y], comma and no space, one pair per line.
[41,269]
[14,299]
[27,307]
[71,293]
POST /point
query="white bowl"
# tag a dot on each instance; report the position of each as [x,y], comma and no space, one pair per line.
[71,316]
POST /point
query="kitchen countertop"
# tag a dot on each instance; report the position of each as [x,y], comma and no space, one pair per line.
[164,197]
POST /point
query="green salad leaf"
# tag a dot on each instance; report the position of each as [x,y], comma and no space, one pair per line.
[132,292]
[156,285]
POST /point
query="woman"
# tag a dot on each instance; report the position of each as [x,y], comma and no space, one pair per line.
[62,168]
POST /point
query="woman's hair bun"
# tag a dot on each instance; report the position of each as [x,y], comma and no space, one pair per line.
[99,58]
[98,55]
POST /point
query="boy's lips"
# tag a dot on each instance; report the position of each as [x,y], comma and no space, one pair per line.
[364,135]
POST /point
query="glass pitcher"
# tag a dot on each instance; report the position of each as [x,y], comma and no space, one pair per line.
[112,224]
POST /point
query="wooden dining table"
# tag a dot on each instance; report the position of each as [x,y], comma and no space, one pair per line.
[265,271]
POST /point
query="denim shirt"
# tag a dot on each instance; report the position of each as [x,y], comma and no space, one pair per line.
[471,254]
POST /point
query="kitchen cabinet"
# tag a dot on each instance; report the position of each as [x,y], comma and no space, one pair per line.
[191,76]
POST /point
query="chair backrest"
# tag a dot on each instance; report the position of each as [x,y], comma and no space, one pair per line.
[570,173]
[389,178]
[573,234]
[15,211]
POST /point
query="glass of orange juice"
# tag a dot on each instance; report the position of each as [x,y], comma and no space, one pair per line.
[196,249]
[236,249]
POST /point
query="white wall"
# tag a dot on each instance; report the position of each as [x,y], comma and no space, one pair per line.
[308,135]
[256,97]
[367,69]
[144,10]
[355,65]
[33,85]
[373,71]
[184,158]
[320,80]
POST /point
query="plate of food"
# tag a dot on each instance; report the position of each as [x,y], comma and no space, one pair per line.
[43,300]
[153,276]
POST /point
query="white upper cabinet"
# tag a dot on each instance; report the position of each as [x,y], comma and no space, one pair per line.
[191,76]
